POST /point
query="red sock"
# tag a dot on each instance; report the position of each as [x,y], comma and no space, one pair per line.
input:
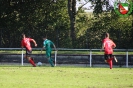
[110,62]
[32,62]
[110,59]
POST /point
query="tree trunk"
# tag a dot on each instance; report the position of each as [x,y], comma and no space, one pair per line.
[72,16]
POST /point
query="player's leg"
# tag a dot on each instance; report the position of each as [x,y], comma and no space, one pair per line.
[110,64]
[115,59]
[108,60]
[111,59]
[30,59]
[106,57]
[53,61]
[48,55]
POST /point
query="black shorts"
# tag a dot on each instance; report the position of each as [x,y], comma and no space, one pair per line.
[107,56]
[28,53]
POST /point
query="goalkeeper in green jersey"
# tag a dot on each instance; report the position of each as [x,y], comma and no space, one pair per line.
[48,44]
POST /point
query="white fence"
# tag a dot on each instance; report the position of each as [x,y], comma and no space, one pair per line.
[66,49]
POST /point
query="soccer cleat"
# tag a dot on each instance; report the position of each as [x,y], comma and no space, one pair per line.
[115,59]
[51,62]
[34,65]
[32,62]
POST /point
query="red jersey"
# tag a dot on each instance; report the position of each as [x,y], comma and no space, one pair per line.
[26,43]
[108,45]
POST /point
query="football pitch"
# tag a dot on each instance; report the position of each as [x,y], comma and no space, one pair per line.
[65,77]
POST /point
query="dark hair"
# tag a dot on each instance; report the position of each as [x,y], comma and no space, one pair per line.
[23,34]
[107,35]
[44,36]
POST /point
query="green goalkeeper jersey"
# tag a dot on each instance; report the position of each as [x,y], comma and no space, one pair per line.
[48,45]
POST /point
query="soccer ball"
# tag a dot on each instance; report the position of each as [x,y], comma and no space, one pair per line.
[39,64]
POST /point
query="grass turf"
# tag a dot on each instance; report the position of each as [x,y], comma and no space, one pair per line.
[65,77]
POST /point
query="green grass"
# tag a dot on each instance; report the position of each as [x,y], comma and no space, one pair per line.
[65,77]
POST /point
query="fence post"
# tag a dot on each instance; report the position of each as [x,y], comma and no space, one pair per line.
[127,59]
[22,58]
[90,58]
[55,57]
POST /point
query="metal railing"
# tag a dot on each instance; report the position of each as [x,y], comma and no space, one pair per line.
[66,49]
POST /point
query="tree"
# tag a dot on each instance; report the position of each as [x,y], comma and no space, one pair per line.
[72,16]
[98,8]
[33,17]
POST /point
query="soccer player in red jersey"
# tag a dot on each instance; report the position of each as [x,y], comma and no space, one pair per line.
[108,45]
[26,43]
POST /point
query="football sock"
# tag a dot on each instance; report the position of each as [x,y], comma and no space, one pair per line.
[32,62]
[51,59]
[51,62]
[110,62]
[110,59]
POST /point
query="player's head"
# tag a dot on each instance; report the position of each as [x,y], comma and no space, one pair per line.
[23,35]
[106,35]
[44,37]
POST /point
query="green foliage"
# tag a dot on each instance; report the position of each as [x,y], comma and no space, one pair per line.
[98,8]
[33,17]
[92,29]
[37,18]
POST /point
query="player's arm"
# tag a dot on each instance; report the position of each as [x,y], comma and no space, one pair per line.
[44,44]
[114,45]
[22,45]
[54,47]
[42,48]
[102,47]
[34,42]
